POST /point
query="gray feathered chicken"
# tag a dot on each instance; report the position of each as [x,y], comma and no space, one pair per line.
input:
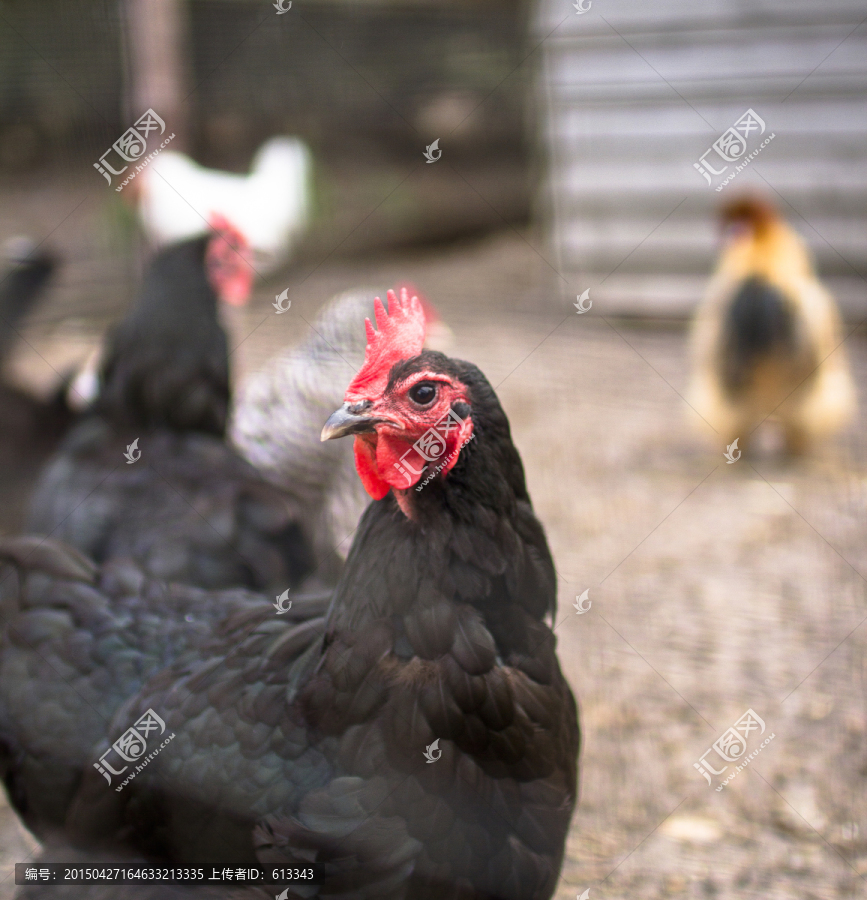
[419,740]
[278,416]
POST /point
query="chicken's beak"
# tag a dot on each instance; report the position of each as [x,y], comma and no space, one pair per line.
[351,418]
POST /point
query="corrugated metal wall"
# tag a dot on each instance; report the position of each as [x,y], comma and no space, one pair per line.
[635,95]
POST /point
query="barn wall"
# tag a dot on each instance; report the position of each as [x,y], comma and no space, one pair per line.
[635,94]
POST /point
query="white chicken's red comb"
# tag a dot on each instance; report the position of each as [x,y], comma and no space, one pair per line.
[401,336]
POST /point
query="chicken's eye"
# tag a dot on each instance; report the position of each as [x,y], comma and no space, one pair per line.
[423,393]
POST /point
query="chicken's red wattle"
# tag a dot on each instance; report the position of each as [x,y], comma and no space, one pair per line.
[384,461]
[365,464]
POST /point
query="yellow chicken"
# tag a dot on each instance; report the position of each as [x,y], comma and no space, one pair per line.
[767,337]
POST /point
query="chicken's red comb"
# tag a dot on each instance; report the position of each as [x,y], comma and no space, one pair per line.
[228,262]
[401,336]
[430,312]
[222,226]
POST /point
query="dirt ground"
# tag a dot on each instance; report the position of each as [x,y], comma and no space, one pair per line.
[714,588]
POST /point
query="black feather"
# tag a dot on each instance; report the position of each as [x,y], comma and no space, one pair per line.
[759,324]
[167,362]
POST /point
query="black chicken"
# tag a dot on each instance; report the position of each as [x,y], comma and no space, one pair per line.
[420,740]
[148,475]
[81,640]
[30,428]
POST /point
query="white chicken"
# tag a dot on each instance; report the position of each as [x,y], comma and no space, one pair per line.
[178,198]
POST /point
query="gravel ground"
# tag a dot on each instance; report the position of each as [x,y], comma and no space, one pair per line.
[714,588]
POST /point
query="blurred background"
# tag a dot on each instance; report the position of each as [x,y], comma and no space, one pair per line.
[570,134]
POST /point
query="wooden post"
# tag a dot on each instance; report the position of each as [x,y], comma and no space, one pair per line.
[158,56]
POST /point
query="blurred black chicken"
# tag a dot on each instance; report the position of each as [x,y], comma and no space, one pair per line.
[101,631]
[419,739]
[30,428]
[148,474]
